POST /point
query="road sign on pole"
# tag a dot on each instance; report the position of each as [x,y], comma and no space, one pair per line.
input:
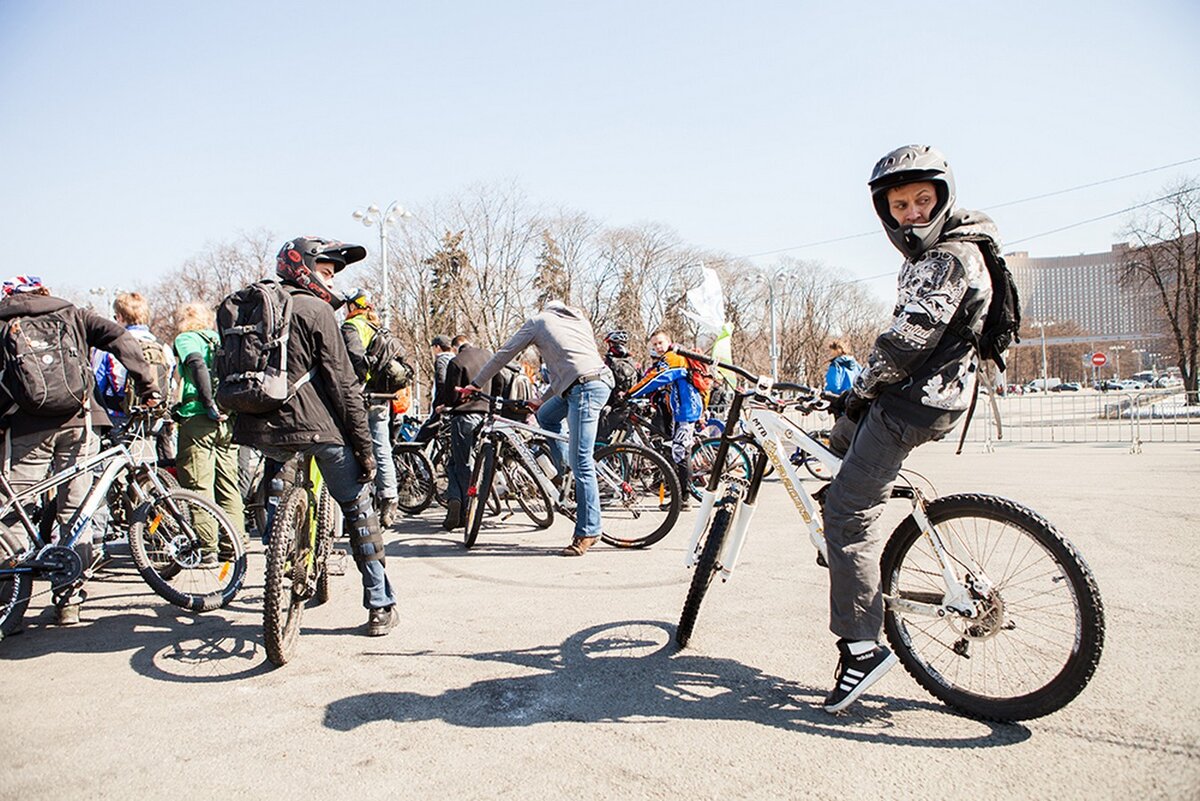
[1099,359]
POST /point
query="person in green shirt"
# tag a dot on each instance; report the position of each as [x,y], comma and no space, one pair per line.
[207,460]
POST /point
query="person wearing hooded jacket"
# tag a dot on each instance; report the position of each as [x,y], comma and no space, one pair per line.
[580,383]
[326,417]
[917,381]
[36,445]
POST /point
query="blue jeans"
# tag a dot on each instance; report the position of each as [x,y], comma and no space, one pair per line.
[580,410]
[458,461]
[378,418]
[340,471]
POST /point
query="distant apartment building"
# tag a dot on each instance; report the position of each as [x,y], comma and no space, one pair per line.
[1083,289]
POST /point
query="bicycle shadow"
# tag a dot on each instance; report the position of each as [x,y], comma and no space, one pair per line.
[627,672]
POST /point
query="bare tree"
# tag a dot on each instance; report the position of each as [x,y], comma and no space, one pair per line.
[1166,259]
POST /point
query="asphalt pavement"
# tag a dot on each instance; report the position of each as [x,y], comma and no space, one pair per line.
[517,673]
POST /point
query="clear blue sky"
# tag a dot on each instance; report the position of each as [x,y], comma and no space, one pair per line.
[132,133]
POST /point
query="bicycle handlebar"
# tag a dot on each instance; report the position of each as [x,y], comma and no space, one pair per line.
[786,386]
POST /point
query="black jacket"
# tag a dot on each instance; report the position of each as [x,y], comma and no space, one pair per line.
[459,372]
[328,408]
[97,332]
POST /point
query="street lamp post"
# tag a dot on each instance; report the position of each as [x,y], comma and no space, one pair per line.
[1042,325]
[369,216]
[770,282]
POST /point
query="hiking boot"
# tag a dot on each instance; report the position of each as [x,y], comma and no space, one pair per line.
[387,512]
[454,515]
[578,546]
[382,620]
[68,614]
[855,674]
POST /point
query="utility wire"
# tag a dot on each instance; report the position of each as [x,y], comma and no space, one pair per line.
[876,232]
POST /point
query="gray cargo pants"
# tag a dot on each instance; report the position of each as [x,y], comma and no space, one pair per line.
[852,507]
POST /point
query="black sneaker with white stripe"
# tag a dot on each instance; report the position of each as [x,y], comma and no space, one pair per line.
[856,673]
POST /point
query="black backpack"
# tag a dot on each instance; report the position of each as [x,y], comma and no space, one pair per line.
[251,365]
[1002,323]
[387,371]
[624,370]
[44,364]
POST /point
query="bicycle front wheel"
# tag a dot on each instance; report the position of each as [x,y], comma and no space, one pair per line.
[639,495]
[291,559]
[1035,638]
[167,538]
[479,491]
[706,568]
[414,480]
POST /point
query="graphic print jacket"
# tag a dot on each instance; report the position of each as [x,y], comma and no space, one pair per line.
[917,369]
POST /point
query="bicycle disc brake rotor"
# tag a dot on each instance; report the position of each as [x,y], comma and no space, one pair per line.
[988,621]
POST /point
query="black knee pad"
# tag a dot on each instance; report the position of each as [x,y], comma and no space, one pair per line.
[362,527]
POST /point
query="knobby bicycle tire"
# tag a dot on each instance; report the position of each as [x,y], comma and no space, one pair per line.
[706,568]
[286,590]
[414,480]
[15,592]
[325,537]
[479,491]
[167,550]
[526,490]
[1036,639]
[127,500]
[639,495]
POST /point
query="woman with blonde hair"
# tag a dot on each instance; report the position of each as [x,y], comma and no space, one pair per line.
[208,460]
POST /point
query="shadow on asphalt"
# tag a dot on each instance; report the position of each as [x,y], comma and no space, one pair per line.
[631,671]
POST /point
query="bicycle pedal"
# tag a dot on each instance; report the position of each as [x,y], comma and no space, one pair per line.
[335,565]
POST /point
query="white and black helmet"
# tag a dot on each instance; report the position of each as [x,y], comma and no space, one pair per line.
[905,165]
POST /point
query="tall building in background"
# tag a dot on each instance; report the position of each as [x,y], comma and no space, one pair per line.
[1084,289]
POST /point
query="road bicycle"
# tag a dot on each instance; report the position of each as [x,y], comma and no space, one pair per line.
[639,492]
[298,556]
[167,529]
[987,605]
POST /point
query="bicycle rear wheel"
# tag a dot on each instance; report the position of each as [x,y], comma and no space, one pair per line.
[414,480]
[167,549]
[639,495]
[704,455]
[1036,637]
[479,491]
[15,590]
[706,568]
[290,560]
[528,493]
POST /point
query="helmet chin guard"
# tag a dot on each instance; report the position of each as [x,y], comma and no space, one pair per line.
[906,165]
[297,263]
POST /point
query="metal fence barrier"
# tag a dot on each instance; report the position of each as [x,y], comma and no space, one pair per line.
[1153,415]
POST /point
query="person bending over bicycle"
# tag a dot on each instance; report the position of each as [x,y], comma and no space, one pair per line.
[580,384]
[325,417]
[670,373]
[51,413]
[917,382]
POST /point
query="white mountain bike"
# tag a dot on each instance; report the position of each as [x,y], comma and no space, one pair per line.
[986,604]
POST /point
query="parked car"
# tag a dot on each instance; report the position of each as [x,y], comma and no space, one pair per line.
[1109,384]
[1131,385]
[1066,386]
[1169,382]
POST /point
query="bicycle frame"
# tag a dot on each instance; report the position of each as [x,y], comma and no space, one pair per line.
[116,459]
[768,429]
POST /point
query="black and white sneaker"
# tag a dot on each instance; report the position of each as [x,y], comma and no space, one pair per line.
[856,673]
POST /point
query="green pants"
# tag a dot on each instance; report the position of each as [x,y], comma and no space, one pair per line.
[207,463]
